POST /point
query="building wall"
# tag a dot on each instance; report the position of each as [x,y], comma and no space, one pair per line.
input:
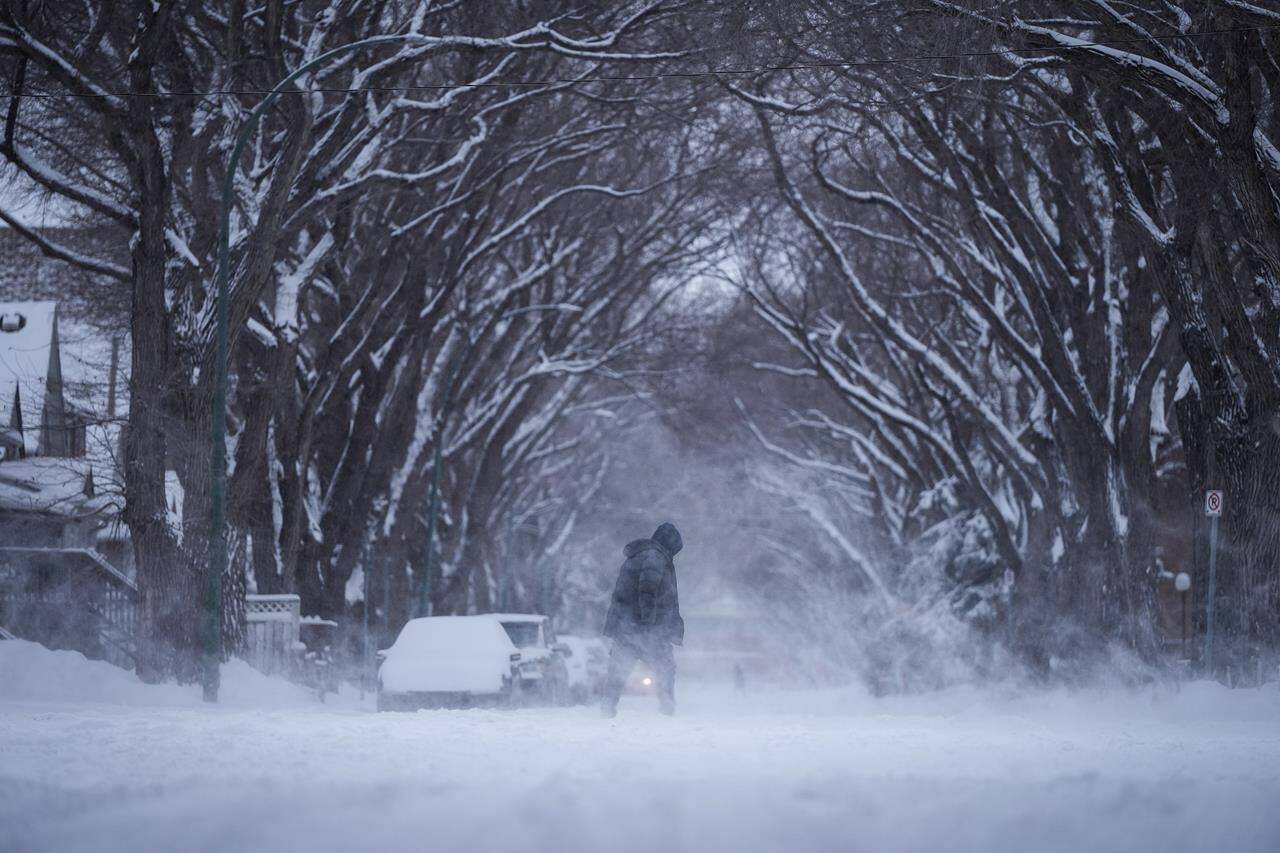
[27,530]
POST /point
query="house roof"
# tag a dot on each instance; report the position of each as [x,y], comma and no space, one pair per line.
[84,364]
[27,333]
[92,317]
[49,485]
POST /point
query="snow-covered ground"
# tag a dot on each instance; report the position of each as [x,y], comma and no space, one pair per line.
[92,760]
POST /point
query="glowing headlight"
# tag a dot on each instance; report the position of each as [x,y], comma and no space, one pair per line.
[647,681]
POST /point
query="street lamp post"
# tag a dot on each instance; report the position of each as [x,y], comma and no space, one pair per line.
[1182,583]
[1007,589]
[433,505]
[218,422]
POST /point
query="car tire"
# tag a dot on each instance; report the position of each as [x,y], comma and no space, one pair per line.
[512,693]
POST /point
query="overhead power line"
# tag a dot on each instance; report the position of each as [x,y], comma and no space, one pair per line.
[664,75]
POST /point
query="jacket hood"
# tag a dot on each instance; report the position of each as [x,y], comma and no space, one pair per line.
[668,537]
[665,537]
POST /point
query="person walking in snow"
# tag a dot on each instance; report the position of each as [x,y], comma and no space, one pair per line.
[644,617]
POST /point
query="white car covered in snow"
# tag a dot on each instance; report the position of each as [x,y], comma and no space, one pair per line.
[449,662]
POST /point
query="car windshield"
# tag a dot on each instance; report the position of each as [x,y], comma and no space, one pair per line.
[523,634]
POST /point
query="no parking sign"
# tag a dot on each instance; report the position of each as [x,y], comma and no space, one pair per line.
[1213,509]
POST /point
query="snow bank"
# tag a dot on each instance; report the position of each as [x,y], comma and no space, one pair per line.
[29,672]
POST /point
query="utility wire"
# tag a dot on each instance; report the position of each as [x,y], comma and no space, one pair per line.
[661,75]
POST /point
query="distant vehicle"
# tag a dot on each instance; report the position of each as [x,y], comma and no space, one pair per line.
[543,672]
[449,662]
[588,666]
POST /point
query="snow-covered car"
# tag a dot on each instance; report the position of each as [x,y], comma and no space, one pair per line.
[587,661]
[542,674]
[448,662]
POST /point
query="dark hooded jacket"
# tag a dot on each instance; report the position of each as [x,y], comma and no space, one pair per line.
[646,603]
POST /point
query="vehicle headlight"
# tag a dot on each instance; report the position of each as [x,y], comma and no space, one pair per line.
[647,681]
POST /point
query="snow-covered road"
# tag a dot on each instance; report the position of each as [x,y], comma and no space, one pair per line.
[1199,770]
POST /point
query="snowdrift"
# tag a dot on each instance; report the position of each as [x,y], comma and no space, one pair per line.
[30,672]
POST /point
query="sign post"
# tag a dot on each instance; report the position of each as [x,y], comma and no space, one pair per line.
[1213,509]
[1182,583]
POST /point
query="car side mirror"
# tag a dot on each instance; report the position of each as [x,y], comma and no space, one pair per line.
[562,649]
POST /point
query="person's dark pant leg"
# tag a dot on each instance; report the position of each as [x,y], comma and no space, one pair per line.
[622,659]
[662,658]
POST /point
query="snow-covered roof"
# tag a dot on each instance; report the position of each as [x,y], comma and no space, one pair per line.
[27,334]
[49,485]
[80,313]
[86,366]
[448,631]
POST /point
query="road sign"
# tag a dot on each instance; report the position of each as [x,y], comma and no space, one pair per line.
[1213,503]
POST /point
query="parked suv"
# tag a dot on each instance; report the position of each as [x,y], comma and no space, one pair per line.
[542,675]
